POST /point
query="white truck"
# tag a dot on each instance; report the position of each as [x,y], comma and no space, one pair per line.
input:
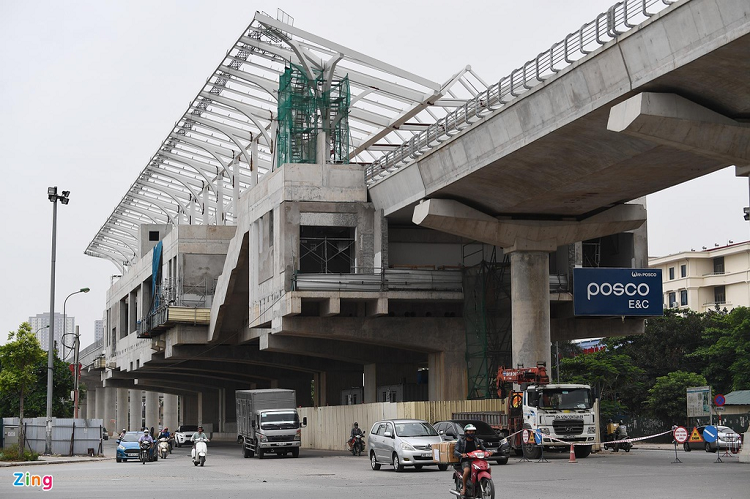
[267,421]
[563,413]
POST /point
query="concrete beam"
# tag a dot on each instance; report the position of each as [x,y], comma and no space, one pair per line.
[427,334]
[671,120]
[340,351]
[250,354]
[453,217]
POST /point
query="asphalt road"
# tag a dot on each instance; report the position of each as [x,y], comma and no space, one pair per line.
[333,474]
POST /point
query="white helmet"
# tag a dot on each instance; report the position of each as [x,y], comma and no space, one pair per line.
[470,427]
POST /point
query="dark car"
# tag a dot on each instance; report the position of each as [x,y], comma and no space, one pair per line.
[726,438]
[454,428]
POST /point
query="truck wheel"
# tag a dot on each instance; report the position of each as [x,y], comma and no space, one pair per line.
[246,451]
[261,453]
[582,451]
[295,452]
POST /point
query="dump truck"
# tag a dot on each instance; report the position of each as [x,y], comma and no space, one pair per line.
[267,421]
[563,413]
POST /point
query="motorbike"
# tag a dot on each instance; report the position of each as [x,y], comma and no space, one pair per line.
[616,432]
[145,453]
[200,449]
[479,484]
[163,447]
[357,445]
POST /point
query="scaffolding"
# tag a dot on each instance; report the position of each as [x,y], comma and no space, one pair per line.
[487,315]
[305,108]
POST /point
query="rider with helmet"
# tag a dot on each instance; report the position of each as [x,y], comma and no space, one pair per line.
[355,431]
[468,442]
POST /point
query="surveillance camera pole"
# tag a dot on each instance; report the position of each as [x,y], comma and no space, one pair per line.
[54,198]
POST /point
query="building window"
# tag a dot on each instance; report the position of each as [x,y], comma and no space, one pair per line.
[683,297]
[671,273]
[719,265]
[683,270]
[153,235]
[720,296]
[672,299]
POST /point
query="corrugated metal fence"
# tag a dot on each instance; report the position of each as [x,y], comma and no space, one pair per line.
[69,436]
[329,427]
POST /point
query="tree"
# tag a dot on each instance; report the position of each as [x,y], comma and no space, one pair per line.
[18,359]
[667,399]
[726,351]
[611,374]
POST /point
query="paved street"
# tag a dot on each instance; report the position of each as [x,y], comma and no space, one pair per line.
[326,474]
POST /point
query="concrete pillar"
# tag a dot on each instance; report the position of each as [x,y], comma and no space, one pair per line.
[122,410]
[200,407]
[529,289]
[447,375]
[319,380]
[99,414]
[371,384]
[170,411]
[152,410]
[189,409]
[91,404]
[109,408]
[136,410]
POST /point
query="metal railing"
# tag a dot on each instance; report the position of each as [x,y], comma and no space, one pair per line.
[618,19]
[398,280]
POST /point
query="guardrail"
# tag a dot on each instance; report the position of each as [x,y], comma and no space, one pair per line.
[398,280]
[618,19]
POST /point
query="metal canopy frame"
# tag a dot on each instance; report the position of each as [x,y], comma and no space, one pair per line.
[225,139]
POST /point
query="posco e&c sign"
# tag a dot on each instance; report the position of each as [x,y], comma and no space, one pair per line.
[605,291]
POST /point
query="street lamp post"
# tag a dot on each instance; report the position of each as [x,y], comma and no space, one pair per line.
[54,198]
[65,317]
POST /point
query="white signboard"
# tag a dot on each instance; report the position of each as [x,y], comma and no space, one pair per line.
[699,401]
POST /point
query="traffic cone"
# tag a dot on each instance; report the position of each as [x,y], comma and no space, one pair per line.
[572,455]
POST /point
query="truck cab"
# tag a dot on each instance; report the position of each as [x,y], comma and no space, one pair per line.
[563,413]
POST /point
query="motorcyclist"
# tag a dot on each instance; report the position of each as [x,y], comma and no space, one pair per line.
[146,437]
[198,435]
[355,431]
[468,442]
[165,434]
[122,434]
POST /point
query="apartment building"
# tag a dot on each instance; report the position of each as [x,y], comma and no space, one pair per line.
[706,279]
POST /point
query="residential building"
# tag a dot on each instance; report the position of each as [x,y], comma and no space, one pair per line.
[707,279]
[98,330]
[40,323]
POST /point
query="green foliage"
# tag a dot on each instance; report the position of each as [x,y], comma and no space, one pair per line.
[610,373]
[23,360]
[725,353]
[11,453]
[667,399]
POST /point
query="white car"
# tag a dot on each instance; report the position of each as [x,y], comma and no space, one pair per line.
[184,434]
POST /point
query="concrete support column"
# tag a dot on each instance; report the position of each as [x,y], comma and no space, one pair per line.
[189,408]
[152,410]
[122,410]
[108,410]
[447,375]
[319,380]
[529,289]
[99,414]
[371,384]
[170,411]
[91,404]
[136,410]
